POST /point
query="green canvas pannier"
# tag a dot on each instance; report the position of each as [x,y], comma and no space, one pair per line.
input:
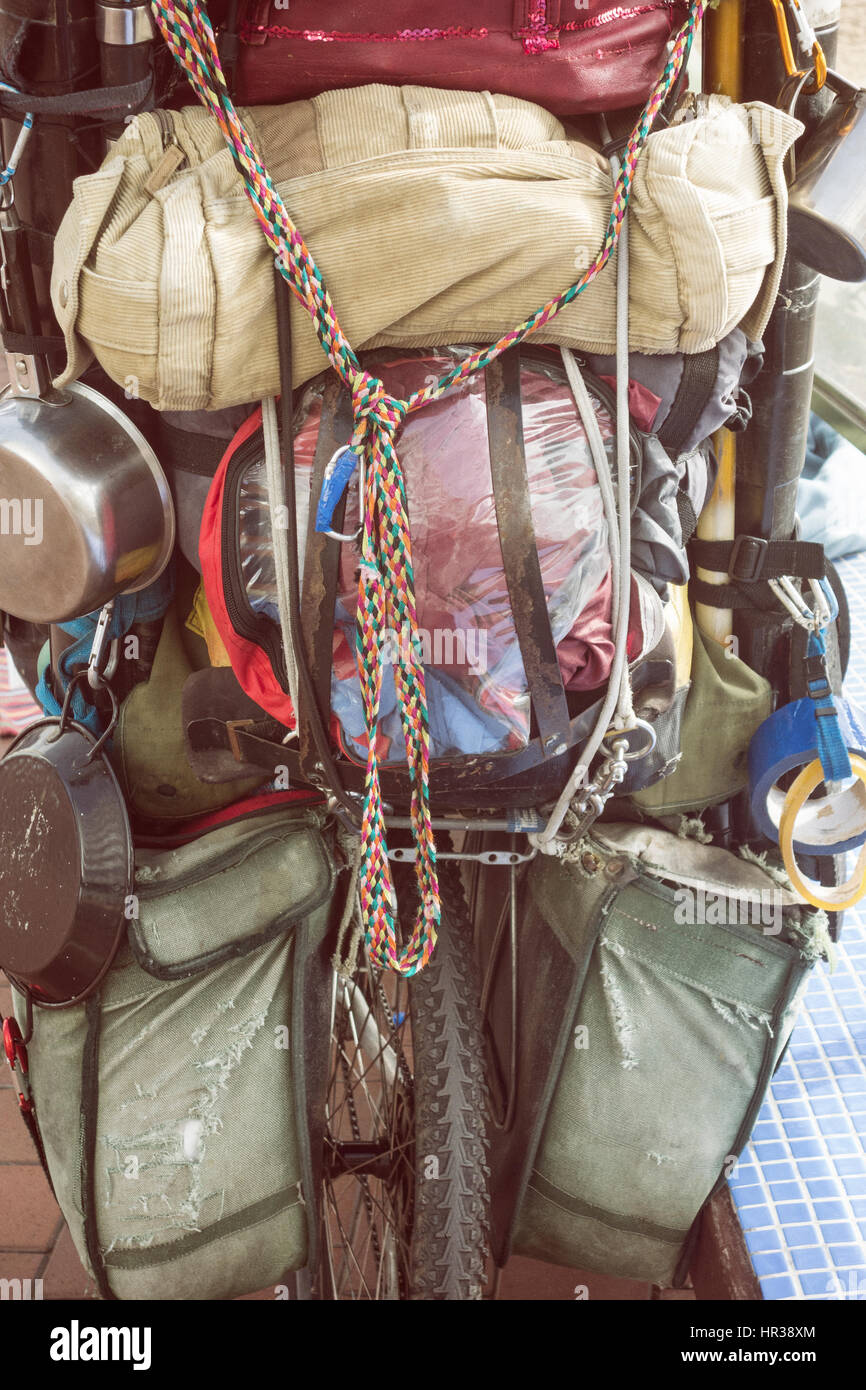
[172,1102]
[658,981]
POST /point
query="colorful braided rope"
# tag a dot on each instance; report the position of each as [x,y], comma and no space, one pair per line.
[386,591]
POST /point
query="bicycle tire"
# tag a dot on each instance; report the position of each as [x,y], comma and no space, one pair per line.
[449,1246]
[405,1205]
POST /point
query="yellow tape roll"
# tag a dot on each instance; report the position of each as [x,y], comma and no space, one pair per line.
[846,894]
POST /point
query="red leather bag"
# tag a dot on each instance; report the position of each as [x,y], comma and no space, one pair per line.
[570,56]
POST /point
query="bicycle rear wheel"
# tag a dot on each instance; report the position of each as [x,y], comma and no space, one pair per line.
[404,1210]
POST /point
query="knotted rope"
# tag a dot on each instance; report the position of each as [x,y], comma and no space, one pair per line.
[386,592]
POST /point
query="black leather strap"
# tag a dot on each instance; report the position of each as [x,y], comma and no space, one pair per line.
[520,553]
[104,103]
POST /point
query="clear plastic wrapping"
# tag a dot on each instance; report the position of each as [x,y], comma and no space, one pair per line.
[476,687]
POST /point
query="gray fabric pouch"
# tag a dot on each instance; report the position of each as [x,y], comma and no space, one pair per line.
[167,1101]
[679,969]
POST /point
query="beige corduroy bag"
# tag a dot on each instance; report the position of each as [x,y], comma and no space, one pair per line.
[434,216]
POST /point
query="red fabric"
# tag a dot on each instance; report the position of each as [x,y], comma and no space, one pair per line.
[643,404]
[249,662]
[600,57]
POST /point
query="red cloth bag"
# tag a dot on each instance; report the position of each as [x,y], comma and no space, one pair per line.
[570,57]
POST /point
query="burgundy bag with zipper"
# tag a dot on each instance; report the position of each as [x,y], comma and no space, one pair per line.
[571,56]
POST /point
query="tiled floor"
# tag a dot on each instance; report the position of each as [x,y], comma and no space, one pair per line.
[800,1187]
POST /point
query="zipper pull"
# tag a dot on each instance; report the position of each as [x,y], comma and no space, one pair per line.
[172,156]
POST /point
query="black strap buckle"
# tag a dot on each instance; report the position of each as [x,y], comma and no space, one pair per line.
[748,557]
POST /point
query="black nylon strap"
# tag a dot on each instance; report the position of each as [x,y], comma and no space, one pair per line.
[31,345]
[101,102]
[697,383]
[800,559]
[520,553]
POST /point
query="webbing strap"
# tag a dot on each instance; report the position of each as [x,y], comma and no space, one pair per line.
[520,554]
[386,597]
[698,380]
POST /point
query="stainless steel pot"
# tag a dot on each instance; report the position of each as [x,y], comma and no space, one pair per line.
[85,508]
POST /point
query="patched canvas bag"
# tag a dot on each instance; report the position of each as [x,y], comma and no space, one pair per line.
[435,217]
[659,981]
[168,1102]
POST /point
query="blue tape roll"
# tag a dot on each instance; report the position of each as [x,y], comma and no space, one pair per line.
[786,742]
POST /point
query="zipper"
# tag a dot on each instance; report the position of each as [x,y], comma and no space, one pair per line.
[253,627]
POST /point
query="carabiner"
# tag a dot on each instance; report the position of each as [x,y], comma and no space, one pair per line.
[808,42]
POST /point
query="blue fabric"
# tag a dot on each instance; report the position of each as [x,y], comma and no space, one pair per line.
[144,607]
[831,500]
[835,762]
[334,484]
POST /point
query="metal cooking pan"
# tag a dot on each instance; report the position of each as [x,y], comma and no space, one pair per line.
[85,508]
[66,862]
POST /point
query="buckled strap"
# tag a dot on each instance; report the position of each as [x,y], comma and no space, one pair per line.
[751,559]
[520,553]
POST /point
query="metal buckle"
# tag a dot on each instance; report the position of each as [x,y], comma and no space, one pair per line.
[232,726]
[752,552]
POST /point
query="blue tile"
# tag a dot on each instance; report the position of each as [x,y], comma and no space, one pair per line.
[765,1130]
[800,1129]
[789,1213]
[806,1148]
[762,1240]
[813,1071]
[837,1232]
[812,1284]
[853,1177]
[815,1168]
[747,1172]
[831,1211]
[766,1262]
[858,1206]
[779,1172]
[848,1256]
[813,1258]
[753,1218]
[771,1152]
[824,1187]
[793,1109]
[827,1105]
[834,1124]
[846,1066]
[804,1052]
[796,1236]
[842,1144]
[785,1191]
[786,1089]
[780,1287]
[752,1195]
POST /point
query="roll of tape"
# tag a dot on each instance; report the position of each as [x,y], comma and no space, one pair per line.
[787,742]
[830,899]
